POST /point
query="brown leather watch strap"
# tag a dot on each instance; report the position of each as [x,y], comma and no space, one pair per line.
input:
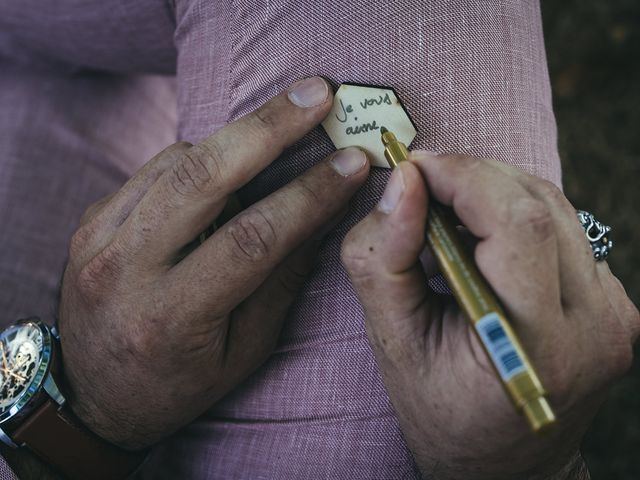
[63,442]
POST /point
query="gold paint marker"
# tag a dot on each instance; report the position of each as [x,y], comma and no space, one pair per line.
[480,305]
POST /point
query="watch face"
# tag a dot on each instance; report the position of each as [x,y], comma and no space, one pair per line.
[22,351]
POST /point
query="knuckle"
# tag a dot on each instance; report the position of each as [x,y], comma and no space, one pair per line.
[263,127]
[394,348]
[465,164]
[618,339]
[533,216]
[621,360]
[547,190]
[633,317]
[144,344]
[174,151]
[467,171]
[559,382]
[265,119]
[560,376]
[570,374]
[180,146]
[355,258]
[292,279]
[467,161]
[81,241]
[253,236]
[612,349]
[98,276]
[628,312]
[198,170]
[91,210]
[87,215]
[615,355]
[311,197]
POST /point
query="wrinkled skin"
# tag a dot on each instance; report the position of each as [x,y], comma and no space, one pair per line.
[150,342]
[572,315]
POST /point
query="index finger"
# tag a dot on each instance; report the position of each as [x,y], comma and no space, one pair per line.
[518,250]
[189,196]
[242,149]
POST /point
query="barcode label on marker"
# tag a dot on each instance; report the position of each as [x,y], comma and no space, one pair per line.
[502,352]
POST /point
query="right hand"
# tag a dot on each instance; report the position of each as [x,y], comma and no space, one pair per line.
[571,314]
[150,343]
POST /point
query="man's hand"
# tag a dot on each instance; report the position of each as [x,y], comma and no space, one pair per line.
[571,313]
[150,342]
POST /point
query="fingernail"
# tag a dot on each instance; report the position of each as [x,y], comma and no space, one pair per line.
[309,92]
[393,192]
[348,161]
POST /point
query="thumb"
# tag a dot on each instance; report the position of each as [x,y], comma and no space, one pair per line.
[381,255]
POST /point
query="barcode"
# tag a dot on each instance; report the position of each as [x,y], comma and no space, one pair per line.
[501,350]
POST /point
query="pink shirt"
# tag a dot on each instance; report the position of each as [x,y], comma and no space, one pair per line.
[473,76]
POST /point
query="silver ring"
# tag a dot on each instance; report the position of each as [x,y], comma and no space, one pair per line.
[598,234]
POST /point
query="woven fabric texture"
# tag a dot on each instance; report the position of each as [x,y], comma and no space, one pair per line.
[473,77]
[66,142]
[5,471]
[70,35]
[472,74]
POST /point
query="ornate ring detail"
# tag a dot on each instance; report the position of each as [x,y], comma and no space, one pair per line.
[598,234]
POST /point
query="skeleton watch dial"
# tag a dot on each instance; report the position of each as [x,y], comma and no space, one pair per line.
[21,351]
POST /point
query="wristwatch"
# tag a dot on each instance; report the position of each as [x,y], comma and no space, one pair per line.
[34,413]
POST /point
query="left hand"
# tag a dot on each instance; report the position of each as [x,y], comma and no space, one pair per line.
[571,314]
[152,338]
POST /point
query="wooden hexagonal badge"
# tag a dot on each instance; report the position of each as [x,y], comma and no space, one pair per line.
[358,113]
